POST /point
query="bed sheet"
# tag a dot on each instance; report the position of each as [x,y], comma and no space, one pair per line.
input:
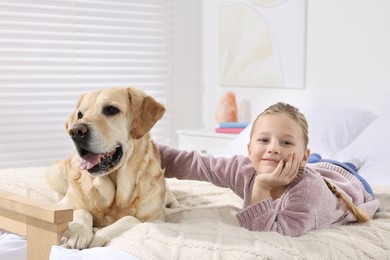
[12,247]
[97,253]
[205,227]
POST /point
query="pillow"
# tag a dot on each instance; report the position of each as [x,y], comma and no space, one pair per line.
[331,128]
[376,174]
[371,150]
[239,145]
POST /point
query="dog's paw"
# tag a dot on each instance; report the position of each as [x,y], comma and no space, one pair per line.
[98,241]
[77,236]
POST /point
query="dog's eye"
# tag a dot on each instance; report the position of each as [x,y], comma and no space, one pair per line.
[79,115]
[110,111]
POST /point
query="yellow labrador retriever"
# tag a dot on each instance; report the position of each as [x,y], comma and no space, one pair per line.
[114,180]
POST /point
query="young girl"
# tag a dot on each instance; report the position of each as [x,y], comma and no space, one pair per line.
[281,192]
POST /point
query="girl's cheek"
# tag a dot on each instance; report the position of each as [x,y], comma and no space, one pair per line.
[302,160]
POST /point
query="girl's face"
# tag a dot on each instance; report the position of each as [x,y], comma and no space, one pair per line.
[274,138]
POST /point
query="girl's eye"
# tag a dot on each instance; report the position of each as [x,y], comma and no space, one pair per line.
[263,140]
[79,115]
[286,143]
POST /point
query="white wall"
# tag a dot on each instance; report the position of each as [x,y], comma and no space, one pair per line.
[347,55]
[186,78]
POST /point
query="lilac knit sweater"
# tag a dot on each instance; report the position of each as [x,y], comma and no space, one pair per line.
[305,205]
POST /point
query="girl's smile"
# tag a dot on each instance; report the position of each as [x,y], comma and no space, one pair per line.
[275,137]
[271,160]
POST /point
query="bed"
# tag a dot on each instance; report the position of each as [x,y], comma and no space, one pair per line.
[204,227]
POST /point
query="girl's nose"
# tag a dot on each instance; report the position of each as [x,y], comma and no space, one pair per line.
[273,147]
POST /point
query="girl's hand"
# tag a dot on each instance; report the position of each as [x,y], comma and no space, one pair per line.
[283,174]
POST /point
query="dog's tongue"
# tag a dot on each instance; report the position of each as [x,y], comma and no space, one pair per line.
[89,160]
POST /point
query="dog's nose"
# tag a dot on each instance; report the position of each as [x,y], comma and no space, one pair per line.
[78,131]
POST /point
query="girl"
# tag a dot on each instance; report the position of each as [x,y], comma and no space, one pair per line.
[281,192]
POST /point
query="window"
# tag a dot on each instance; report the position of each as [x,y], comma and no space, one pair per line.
[52,51]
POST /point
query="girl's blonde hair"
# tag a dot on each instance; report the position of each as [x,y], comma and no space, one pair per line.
[292,112]
[300,119]
[359,214]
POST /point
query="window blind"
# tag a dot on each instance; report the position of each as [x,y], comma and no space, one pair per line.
[53,51]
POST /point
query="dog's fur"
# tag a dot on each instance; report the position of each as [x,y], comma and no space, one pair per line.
[114,180]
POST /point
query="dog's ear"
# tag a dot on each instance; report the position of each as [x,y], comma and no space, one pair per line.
[145,112]
[73,117]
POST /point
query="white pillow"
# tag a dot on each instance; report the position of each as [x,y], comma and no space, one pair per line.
[376,174]
[239,146]
[331,128]
[370,148]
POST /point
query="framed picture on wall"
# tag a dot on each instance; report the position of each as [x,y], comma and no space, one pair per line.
[262,43]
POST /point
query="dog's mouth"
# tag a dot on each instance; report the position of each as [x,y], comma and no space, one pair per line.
[99,164]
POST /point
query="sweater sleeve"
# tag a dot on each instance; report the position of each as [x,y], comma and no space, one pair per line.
[233,173]
[296,212]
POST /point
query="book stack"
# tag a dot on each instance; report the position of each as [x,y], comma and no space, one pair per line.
[231,127]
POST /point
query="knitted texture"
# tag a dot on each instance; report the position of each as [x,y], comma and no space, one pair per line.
[205,227]
[29,182]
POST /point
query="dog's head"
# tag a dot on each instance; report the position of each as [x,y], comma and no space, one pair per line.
[106,124]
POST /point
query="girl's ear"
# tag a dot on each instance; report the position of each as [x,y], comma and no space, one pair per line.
[305,157]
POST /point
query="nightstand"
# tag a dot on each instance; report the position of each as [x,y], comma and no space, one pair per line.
[205,142]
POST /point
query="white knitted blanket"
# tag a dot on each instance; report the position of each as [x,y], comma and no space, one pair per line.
[205,227]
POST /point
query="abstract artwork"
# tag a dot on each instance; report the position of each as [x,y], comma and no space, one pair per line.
[262,43]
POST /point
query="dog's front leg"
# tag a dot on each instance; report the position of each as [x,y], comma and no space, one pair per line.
[104,235]
[79,233]
[105,191]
